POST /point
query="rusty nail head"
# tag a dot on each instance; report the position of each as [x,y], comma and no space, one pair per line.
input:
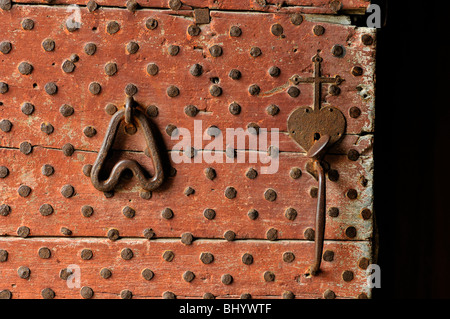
[354,112]
[151,24]
[5,125]
[188,276]
[357,71]
[367,39]
[235,31]
[274,71]
[68,149]
[234,108]
[318,30]
[86,254]
[363,263]
[5,210]
[126,254]
[210,173]
[173,91]
[255,52]
[26,148]
[108,194]
[295,173]
[87,170]
[215,90]
[128,212]
[230,192]
[44,253]
[201,16]
[328,294]
[247,259]
[65,273]
[193,30]
[112,27]
[51,88]
[254,89]
[352,194]
[23,272]
[235,74]
[189,191]
[23,231]
[272,234]
[276,29]
[24,190]
[149,233]
[168,295]
[246,296]
[290,214]
[5,47]
[269,276]
[333,175]
[47,293]
[25,68]
[309,234]
[48,45]
[288,257]
[105,273]
[229,235]
[92,5]
[196,69]
[328,255]
[293,91]
[313,192]
[47,128]
[209,213]
[347,275]
[132,6]
[27,24]
[110,68]
[335,5]
[333,212]
[251,173]
[66,231]
[270,195]
[95,88]
[132,47]
[87,211]
[353,155]
[27,108]
[366,213]
[126,294]
[147,274]
[351,232]
[227,279]
[216,50]
[167,213]
[67,191]
[187,238]
[152,111]
[171,130]
[113,234]
[252,214]
[86,292]
[362,296]
[68,66]
[131,89]
[47,170]
[175,4]
[66,110]
[3,87]
[338,50]
[90,48]
[272,110]
[288,295]
[3,255]
[208,295]
[173,50]
[46,209]
[206,258]
[296,19]
[334,90]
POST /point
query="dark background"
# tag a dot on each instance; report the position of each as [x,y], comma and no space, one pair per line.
[412,150]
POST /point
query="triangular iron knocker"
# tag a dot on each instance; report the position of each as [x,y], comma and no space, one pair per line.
[148,184]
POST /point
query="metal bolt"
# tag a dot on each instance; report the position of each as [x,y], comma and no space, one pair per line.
[3,87]
[110,68]
[251,173]
[227,279]
[254,89]
[333,212]
[270,195]
[172,91]
[169,294]
[151,24]
[272,234]
[167,213]
[132,47]
[276,29]
[352,194]
[105,273]
[86,254]
[189,191]
[208,295]
[112,27]
[68,149]
[347,276]
[90,48]
[234,108]
[23,231]
[92,5]
[188,276]
[168,255]
[87,211]
[230,192]
[128,212]
[67,191]
[48,45]
[363,263]
[367,39]
[309,234]
[353,155]
[25,68]
[196,70]
[23,272]
[113,234]
[3,255]
[126,294]
[66,231]
[209,213]
[193,30]
[269,276]
[206,258]
[290,213]
[288,257]
[329,294]
[296,19]
[5,125]
[274,71]
[24,190]
[247,259]
[66,110]
[295,173]
[5,47]
[350,232]
[47,170]
[126,254]
[293,91]
[46,209]
[149,233]
[147,274]
[235,31]
[328,255]
[216,51]
[152,111]
[25,148]
[86,292]
[68,66]
[215,90]
[357,71]
[235,74]
[187,238]
[173,50]
[252,214]
[44,253]
[255,52]
[47,128]
[318,30]
[95,88]
[130,89]
[51,88]
[27,24]
[354,112]
[47,293]
[229,235]
[27,108]
[5,210]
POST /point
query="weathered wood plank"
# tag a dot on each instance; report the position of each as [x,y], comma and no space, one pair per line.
[168,276]
[231,214]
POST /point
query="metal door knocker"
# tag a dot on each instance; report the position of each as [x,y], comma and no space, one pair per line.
[315,130]
[132,116]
